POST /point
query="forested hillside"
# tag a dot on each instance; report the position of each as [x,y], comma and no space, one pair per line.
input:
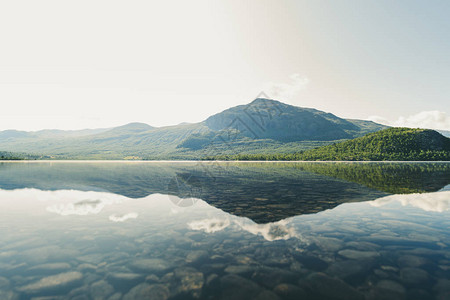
[390,144]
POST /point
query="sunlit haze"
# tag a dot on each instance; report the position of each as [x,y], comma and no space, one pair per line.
[90,64]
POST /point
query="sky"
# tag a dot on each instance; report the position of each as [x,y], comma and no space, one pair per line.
[93,64]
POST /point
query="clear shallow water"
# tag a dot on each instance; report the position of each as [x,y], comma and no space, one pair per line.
[224,231]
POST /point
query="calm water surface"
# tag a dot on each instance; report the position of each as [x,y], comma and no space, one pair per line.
[154,230]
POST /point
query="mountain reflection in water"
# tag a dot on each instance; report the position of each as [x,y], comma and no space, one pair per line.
[263,192]
[105,230]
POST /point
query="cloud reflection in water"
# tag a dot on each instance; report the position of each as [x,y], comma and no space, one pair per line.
[433,202]
[271,231]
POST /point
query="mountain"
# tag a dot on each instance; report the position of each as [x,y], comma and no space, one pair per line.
[266,124]
[260,126]
[265,118]
[444,133]
[389,144]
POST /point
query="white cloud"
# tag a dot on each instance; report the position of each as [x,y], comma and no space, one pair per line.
[286,91]
[270,231]
[425,119]
[123,218]
[436,202]
[79,203]
[209,225]
[81,208]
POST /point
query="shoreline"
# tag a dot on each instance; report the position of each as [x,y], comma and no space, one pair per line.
[218,161]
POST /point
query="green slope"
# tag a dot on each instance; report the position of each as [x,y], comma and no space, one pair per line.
[390,144]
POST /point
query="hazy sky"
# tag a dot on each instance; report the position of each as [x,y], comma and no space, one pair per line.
[84,64]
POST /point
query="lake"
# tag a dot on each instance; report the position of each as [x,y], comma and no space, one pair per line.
[209,230]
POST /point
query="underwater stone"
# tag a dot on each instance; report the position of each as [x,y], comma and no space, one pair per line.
[196,256]
[8,295]
[358,255]
[413,275]
[332,288]
[116,296]
[290,291]
[270,277]
[187,281]
[391,286]
[411,261]
[49,268]
[4,283]
[266,295]
[238,288]
[100,290]
[240,269]
[53,282]
[147,291]
[348,269]
[150,265]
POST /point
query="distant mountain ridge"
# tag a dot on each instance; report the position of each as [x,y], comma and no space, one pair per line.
[259,126]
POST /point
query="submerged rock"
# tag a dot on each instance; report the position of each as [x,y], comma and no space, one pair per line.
[331,288]
[196,256]
[356,254]
[411,261]
[418,294]
[442,289]
[238,288]
[152,278]
[364,246]
[116,296]
[266,295]
[349,269]
[270,277]
[413,276]
[79,293]
[187,281]
[53,283]
[328,244]
[387,290]
[311,262]
[211,278]
[289,291]
[391,286]
[4,283]
[240,269]
[8,295]
[147,291]
[49,268]
[100,290]
[94,258]
[86,267]
[124,277]
[151,265]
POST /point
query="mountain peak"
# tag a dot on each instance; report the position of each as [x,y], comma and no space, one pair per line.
[262,100]
[136,125]
[266,101]
[130,128]
[265,118]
